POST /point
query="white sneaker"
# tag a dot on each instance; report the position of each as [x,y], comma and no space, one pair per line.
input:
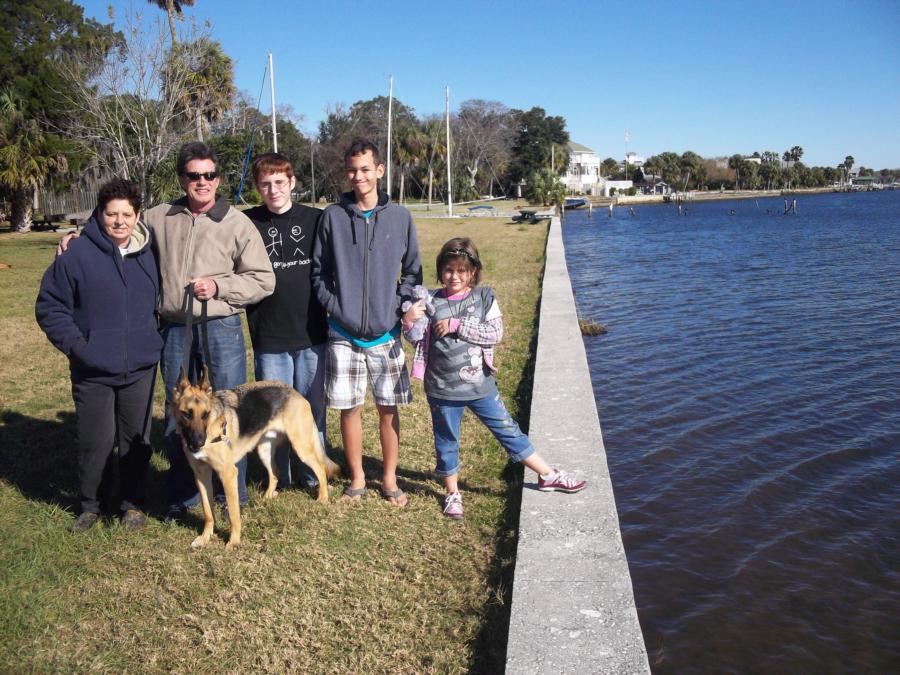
[453,507]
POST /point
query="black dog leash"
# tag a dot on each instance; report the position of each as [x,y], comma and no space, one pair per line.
[189,334]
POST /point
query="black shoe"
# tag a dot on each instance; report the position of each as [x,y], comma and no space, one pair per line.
[224,507]
[175,514]
[133,519]
[85,521]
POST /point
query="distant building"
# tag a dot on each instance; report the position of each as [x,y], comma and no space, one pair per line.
[583,171]
[722,162]
[634,159]
[652,185]
[606,187]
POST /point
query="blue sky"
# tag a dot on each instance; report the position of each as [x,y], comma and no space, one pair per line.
[713,77]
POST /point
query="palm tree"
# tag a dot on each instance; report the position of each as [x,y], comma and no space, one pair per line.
[172,7]
[689,163]
[209,89]
[28,156]
[796,153]
[609,166]
[435,146]
[410,147]
[848,164]
[736,163]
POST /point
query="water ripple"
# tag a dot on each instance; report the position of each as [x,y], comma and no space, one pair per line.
[749,394]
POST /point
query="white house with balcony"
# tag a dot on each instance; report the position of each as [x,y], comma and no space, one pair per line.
[583,171]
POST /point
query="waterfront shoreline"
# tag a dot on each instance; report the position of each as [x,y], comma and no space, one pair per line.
[706,196]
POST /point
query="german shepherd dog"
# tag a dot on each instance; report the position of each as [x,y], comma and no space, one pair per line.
[218,429]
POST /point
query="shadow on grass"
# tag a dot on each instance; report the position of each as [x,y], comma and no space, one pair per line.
[489,650]
[419,483]
[40,458]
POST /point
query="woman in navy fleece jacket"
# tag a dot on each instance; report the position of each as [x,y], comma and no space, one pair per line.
[97,305]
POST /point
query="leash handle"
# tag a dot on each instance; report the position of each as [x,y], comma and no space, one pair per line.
[189,334]
[204,336]
[188,330]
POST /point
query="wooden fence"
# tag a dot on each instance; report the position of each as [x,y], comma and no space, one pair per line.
[71,202]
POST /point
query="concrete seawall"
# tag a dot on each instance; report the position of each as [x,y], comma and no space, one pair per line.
[573,606]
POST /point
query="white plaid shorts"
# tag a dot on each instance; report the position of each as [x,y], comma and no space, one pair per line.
[348,367]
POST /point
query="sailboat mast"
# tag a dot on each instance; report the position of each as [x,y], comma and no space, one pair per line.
[312,169]
[449,173]
[272,88]
[389,144]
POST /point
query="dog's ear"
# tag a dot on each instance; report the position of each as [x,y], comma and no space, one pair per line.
[182,383]
[204,381]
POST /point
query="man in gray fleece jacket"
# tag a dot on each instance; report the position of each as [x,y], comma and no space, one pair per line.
[365,262]
[206,247]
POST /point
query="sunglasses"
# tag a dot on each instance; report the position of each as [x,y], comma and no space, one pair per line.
[194,175]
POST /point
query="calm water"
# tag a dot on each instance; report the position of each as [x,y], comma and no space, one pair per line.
[749,395]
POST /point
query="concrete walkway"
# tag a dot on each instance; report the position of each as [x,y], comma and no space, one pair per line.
[573,607]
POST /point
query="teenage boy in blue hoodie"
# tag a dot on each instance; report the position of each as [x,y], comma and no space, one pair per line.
[365,262]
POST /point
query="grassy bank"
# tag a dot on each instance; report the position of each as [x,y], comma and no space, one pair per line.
[361,588]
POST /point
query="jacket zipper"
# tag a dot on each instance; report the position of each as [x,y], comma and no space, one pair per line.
[365,314]
[125,288]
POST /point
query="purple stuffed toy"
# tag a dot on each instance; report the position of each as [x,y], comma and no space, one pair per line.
[417,332]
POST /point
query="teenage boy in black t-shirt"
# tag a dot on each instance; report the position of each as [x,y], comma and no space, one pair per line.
[288,329]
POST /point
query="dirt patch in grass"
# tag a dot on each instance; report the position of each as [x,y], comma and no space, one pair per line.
[336,588]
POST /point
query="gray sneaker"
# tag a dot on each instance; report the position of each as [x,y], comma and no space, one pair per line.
[85,521]
[133,519]
[453,507]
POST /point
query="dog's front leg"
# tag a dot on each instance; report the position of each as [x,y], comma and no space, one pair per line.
[229,477]
[203,474]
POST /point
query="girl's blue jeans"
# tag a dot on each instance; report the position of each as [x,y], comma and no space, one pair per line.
[446,417]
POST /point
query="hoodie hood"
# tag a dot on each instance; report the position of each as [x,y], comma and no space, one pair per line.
[140,235]
[348,202]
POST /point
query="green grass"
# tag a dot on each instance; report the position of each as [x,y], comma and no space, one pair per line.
[336,588]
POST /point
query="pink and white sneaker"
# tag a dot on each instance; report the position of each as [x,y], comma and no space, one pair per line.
[453,507]
[560,481]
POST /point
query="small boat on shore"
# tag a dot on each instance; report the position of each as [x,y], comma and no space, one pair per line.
[574,203]
[532,216]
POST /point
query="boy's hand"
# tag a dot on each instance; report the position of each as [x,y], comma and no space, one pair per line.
[442,328]
[415,312]
[64,243]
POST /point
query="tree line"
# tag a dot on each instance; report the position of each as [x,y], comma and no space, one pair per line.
[759,171]
[81,100]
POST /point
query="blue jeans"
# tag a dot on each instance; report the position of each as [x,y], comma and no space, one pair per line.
[304,370]
[446,417]
[227,363]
